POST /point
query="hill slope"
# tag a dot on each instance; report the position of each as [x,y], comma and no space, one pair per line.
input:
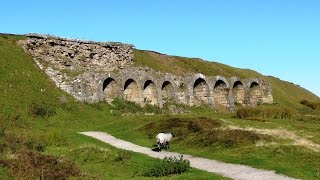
[37,115]
[285,93]
[39,122]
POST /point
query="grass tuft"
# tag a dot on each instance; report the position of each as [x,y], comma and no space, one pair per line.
[41,109]
[167,166]
[32,165]
[311,104]
[264,113]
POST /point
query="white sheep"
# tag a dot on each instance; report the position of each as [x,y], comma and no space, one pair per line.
[163,139]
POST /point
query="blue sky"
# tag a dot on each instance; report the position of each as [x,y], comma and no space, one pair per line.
[275,37]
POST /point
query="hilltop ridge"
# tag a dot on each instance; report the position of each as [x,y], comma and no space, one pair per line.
[37,116]
[68,63]
[284,92]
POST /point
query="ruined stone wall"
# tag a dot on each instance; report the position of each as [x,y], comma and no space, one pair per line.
[77,55]
[93,72]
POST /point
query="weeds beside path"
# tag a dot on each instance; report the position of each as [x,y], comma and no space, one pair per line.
[233,171]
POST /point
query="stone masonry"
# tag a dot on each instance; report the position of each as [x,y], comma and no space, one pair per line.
[77,55]
[95,71]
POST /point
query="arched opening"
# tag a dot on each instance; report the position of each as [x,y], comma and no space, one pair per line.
[167,92]
[200,92]
[255,93]
[150,93]
[220,94]
[131,91]
[110,89]
[238,92]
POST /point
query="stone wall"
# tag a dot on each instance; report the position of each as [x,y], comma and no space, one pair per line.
[77,55]
[93,72]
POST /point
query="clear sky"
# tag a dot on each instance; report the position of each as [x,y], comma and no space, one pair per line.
[275,37]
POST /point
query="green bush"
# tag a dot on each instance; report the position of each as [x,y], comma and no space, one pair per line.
[34,145]
[149,108]
[312,105]
[123,156]
[168,166]
[229,138]
[121,106]
[90,154]
[263,112]
[41,109]
[125,107]
[33,165]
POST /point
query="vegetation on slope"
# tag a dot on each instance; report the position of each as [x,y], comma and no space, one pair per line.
[39,125]
[285,93]
[38,117]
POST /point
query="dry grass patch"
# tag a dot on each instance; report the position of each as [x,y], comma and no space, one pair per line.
[204,132]
[28,164]
[283,134]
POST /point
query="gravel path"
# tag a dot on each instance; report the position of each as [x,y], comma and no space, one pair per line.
[233,171]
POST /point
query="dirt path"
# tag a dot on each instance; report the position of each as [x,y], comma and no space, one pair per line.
[233,171]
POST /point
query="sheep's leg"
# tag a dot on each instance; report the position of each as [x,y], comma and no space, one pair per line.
[159,146]
[167,145]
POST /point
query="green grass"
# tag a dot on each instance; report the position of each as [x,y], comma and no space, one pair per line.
[35,114]
[233,147]
[264,113]
[38,116]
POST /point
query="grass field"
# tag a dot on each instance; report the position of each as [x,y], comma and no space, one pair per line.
[36,116]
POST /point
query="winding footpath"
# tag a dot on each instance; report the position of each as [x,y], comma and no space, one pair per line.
[229,170]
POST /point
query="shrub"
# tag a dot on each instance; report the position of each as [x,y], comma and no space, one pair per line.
[97,105]
[32,165]
[90,154]
[312,105]
[149,108]
[34,145]
[41,109]
[125,106]
[129,107]
[168,166]
[17,138]
[182,127]
[171,106]
[263,112]
[123,156]
[230,138]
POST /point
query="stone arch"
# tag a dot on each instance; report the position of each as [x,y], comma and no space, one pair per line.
[201,92]
[110,89]
[238,92]
[167,91]
[255,93]
[150,92]
[221,93]
[131,91]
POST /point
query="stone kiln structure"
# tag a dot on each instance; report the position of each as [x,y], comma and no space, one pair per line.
[92,71]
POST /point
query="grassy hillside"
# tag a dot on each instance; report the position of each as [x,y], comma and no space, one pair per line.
[39,121]
[284,93]
[39,125]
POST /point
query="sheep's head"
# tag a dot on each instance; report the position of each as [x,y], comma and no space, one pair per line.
[172,134]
